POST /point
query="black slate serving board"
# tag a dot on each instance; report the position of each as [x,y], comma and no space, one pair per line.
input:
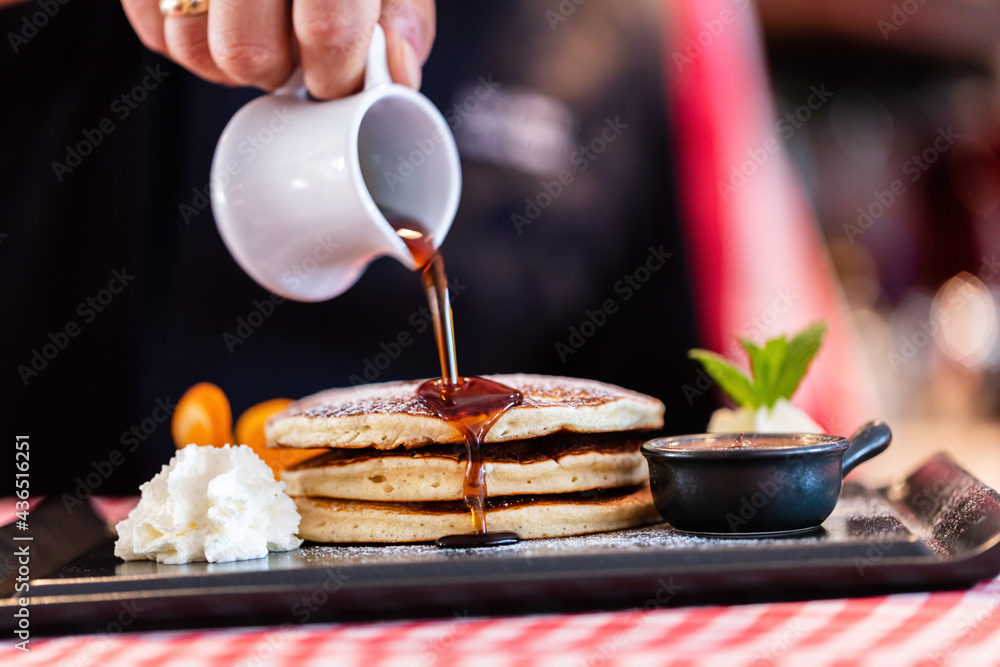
[937,530]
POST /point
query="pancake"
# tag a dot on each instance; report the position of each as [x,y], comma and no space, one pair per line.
[389,415]
[531,517]
[564,462]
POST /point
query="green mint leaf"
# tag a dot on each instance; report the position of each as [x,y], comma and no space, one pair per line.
[777,368]
[731,379]
[766,364]
[799,354]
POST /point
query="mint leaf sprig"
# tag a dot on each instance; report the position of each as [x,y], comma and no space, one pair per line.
[777,368]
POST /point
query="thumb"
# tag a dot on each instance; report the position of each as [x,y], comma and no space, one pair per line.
[409,33]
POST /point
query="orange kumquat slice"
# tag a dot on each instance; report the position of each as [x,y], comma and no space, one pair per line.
[250,431]
[202,417]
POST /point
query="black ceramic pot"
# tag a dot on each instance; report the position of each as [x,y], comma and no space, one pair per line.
[780,483]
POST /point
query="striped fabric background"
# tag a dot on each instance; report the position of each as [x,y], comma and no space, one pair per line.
[952,628]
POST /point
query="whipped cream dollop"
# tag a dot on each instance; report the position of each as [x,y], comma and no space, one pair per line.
[782,418]
[212,504]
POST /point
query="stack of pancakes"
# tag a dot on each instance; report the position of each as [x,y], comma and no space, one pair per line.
[565,461]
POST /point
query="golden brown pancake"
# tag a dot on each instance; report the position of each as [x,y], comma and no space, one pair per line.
[389,414]
[565,461]
[531,517]
[557,463]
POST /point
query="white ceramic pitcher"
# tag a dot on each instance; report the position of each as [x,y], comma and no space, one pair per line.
[301,189]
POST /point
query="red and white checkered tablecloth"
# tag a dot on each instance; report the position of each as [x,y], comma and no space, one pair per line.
[959,628]
[920,629]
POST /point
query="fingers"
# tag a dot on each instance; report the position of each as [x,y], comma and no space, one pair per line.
[409,32]
[147,21]
[250,42]
[258,43]
[234,43]
[186,38]
[333,37]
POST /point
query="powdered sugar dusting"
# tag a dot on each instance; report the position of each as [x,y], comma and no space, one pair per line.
[861,517]
[383,398]
[655,537]
[944,510]
[540,391]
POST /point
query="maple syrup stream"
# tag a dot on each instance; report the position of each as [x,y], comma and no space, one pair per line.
[471,404]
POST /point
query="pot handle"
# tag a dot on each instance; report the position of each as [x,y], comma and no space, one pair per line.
[868,441]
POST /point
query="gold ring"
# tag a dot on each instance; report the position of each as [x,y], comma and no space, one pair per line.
[183,7]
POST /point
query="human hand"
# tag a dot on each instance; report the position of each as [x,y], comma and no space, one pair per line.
[259,42]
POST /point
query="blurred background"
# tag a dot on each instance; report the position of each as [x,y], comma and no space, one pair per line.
[902,169]
[881,117]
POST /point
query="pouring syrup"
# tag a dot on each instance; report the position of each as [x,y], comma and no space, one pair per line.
[471,404]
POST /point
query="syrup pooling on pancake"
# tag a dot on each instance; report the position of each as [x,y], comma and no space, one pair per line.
[539,391]
[389,414]
[473,405]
